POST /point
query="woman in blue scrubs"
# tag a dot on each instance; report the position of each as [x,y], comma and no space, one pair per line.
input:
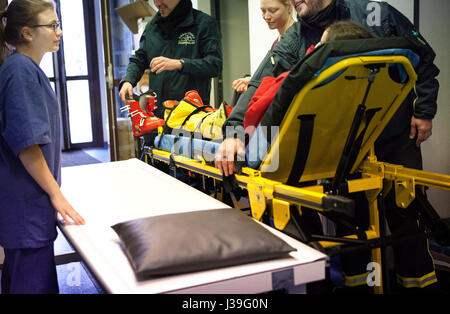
[30,169]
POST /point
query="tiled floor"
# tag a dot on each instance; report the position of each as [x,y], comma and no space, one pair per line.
[73,278]
[101,154]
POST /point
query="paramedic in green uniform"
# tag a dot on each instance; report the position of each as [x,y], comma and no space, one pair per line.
[182,48]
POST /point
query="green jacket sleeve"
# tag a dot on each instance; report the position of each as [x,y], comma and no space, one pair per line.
[138,64]
[427,86]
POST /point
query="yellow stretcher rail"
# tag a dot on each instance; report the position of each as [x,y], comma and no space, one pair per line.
[405,179]
[262,190]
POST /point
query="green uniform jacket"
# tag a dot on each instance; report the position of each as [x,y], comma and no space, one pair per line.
[383,21]
[197,41]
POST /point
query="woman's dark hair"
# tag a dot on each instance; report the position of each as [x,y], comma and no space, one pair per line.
[346,30]
[18,14]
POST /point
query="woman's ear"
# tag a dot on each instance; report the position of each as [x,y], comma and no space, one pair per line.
[27,33]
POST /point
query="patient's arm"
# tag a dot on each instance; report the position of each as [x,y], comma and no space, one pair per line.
[240,85]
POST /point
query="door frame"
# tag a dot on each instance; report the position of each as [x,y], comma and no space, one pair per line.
[92,77]
[110,86]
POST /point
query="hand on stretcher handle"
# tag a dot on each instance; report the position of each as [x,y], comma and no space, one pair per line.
[230,151]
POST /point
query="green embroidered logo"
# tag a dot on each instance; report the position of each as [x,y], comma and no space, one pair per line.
[186,39]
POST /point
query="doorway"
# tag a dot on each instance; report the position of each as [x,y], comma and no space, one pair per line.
[74,75]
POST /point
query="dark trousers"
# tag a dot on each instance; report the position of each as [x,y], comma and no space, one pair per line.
[412,260]
[29,271]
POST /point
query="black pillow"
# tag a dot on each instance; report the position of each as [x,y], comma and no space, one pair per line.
[193,241]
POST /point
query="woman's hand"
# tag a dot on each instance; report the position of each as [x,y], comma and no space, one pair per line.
[241,85]
[34,162]
[66,210]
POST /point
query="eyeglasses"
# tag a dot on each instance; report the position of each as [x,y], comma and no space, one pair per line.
[55,26]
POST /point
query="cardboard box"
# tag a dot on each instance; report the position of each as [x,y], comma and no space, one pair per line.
[131,13]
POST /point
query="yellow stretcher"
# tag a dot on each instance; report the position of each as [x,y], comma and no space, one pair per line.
[350,103]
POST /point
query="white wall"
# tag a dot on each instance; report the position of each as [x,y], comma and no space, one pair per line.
[203,5]
[261,37]
[434,26]
[235,43]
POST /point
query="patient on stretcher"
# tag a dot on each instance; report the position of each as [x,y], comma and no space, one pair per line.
[257,146]
[269,86]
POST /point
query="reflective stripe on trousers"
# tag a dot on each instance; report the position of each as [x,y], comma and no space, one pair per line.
[417,282]
[407,282]
[356,280]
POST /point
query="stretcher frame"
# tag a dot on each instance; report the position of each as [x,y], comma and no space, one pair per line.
[270,195]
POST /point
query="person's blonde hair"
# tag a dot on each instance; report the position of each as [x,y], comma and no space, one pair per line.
[285,2]
[18,14]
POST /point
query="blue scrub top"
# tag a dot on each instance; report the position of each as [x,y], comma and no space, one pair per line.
[29,115]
